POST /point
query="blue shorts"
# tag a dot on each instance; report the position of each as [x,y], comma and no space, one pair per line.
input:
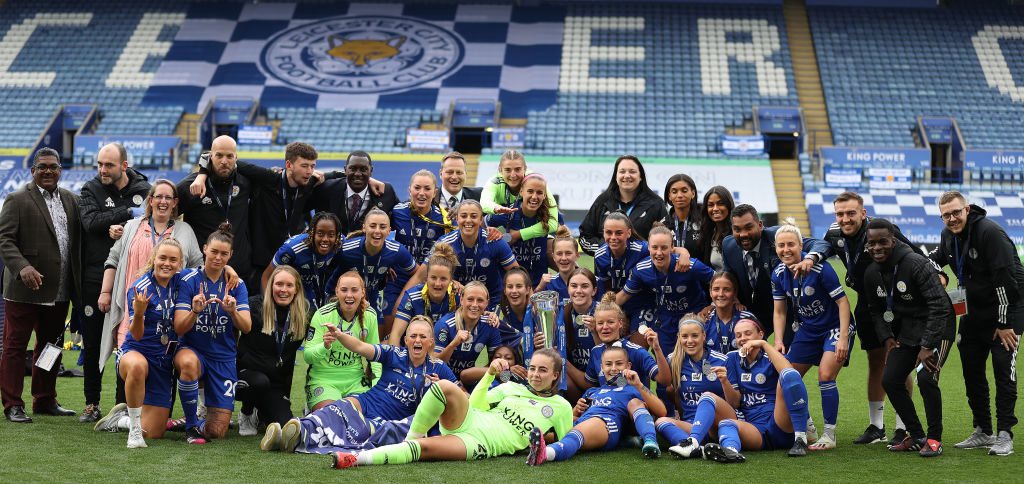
[809,344]
[159,379]
[614,430]
[220,378]
[773,437]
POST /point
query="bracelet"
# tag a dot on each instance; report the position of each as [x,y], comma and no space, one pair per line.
[105,292]
[195,312]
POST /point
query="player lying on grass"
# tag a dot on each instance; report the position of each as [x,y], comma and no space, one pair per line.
[376,416]
[488,423]
[771,395]
[696,370]
[602,413]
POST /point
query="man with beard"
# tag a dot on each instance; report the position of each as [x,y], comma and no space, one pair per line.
[226,199]
[116,195]
[350,198]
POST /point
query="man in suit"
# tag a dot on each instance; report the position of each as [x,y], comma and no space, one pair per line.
[750,254]
[453,179]
[40,243]
[350,198]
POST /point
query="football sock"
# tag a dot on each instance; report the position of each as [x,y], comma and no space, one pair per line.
[729,434]
[644,424]
[189,393]
[704,418]
[402,453]
[829,401]
[674,435]
[427,413]
[876,413]
[567,447]
[794,393]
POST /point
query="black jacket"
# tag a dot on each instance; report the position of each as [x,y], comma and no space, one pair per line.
[468,193]
[258,351]
[103,206]
[992,272]
[692,230]
[330,196]
[646,209]
[923,314]
[205,214]
[855,245]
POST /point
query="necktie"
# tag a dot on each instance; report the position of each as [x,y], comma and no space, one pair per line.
[452,201]
[752,268]
[355,202]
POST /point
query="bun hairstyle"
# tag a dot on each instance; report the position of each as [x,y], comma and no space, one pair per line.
[608,304]
[370,213]
[659,228]
[424,320]
[443,255]
[222,234]
[789,226]
[563,234]
[679,352]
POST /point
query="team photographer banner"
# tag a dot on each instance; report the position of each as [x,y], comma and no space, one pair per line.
[578,180]
[893,178]
[837,177]
[974,159]
[866,157]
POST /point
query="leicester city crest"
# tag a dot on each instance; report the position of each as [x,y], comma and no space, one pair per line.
[369,54]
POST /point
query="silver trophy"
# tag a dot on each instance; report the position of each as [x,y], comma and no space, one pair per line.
[544,304]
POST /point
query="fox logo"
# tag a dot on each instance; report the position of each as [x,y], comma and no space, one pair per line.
[362,51]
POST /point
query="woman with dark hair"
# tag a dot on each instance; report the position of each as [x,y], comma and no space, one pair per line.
[532,207]
[684,217]
[627,191]
[714,226]
[310,254]
[266,354]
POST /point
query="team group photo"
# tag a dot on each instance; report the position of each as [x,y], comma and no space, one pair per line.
[511,241]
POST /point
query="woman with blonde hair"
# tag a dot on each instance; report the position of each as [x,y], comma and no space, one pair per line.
[266,354]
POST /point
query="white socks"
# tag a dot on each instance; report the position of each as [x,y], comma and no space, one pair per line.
[124,423]
[899,423]
[549,453]
[876,413]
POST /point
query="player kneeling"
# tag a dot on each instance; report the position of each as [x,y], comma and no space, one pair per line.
[602,412]
[487,424]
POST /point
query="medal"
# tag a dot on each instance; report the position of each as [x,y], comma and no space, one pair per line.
[164,339]
[505,376]
[888,316]
[796,326]
[706,369]
[619,380]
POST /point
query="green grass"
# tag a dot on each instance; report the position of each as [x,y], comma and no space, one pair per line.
[59,449]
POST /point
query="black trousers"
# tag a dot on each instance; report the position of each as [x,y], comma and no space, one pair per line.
[974,352]
[255,390]
[901,361]
[92,334]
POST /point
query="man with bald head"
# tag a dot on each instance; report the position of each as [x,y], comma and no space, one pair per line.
[226,199]
[117,194]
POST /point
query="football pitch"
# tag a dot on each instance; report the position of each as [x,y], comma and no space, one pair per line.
[59,449]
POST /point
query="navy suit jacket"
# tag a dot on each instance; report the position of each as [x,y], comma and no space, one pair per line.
[758,299]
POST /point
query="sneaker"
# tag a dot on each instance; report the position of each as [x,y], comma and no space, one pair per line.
[725,455]
[1003,444]
[687,449]
[977,440]
[176,425]
[91,413]
[909,444]
[871,435]
[343,460]
[538,449]
[632,442]
[651,449]
[799,448]
[826,442]
[272,437]
[247,423]
[109,422]
[135,440]
[194,436]
[932,448]
[897,437]
[812,431]
[290,435]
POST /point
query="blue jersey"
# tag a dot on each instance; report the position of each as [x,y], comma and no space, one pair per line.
[610,403]
[694,381]
[483,262]
[374,268]
[159,317]
[614,272]
[483,337]
[562,288]
[213,334]
[401,385]
[311,266]
[414,303]
[581,341]
[720,335]
[531,254]
[756,383]
[642,362]
[511,327]
[675,294]
[813,296]
[419,232]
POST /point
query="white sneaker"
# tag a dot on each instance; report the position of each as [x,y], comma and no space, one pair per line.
[247,423]
[826,442]
[1003,444]
[290,434]
[977,440]
[687,449]
[109,422]
[812,431]
[272,438]
[135,440]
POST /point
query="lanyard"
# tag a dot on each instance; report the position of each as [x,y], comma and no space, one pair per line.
[851,258]
[428,302]
[891,291]
[216,196]
[288,208]
[618,283]
[510,198]
[960,257]
[471,267]
[725,333]
[660,290]
[680,233]
[318,293]
[281,333]
[445,221]
[152,231]
[167,306]
[629,210]
[372,273]
[417,389]
[799,290]
[210,310]
[348,329]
